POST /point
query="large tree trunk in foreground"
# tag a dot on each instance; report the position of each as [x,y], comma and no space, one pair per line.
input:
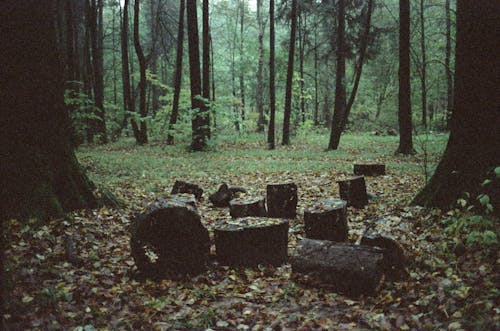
[289,76]
[474,140]
[40,174]
[404,110]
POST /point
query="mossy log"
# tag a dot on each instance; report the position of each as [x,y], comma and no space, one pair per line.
[251,241]
[369,169]
[185,187]
[327,220]
[353,191]
[282,200]
[169,240]
[350,269]
[244,207]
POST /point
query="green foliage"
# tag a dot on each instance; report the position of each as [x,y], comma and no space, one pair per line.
[473,229]
[82,111]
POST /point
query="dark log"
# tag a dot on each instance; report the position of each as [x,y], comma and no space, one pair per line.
[282,200]
[251,241]
[327,220]
[225,194]
[185,187]
[169,240]
[369,169]
[244,207]
[347,268]
[353,191]
[394,255]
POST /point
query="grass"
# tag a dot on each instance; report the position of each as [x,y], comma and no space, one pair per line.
[158,165]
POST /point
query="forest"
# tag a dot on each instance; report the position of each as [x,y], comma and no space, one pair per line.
[250,165]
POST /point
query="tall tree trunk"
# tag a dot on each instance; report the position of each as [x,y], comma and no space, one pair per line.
[242,73]
[272,90]
[472,150]
[113,43]
[155,6]
[178,74]
[236,111]
[212,73]
[316,92]
[449,72]
[302,41]
[88,72]
[143,134]
[206,62]
[359,69]
[340,94]
[423,77]
[404,111]
[289,76]
[260,65]
[200,129]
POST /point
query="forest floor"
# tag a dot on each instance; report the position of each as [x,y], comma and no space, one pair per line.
[452,284]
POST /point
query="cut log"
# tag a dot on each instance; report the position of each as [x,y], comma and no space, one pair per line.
[183,198]
[169,240]
[251,241]
[185,187]
[369,169]
[281,200]
[394,255]
[347,268]
[244,207]
[353,191]
[225,194]
[327,220]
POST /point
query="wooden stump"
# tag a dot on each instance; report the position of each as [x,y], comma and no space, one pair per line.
[169,240]
[394,255]
[251,241]
[327,220]
[185,187]
[184,198]
[350,269]
[282,200]
[225,194]
[369,169]
[244,207]
[354,191]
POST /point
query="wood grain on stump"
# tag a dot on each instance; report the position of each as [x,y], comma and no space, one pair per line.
[353,191]
[350,269]
[248,206]
[251,241]
[169,240]
[369,169]
[185,187]
[327,220]
[281,200]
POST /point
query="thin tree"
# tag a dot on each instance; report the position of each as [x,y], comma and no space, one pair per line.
[423,73]
[404,96]
[449,72]
[340,93]
[178,74]
[143,133]
[289,76]
[199,125]
[206,61]
[260,65]
[272,90]
[472,149]
[242,72]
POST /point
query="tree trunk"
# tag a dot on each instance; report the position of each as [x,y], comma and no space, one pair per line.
[472,150]
[316,97]
[206,62]
[423,77]
[302,41]
[199,125]
[404,111]
[260,59]
[242,73]
[178,74]
[272,91]
[40,174]
[143,134]
[449,72]
[289,76]
[340,94]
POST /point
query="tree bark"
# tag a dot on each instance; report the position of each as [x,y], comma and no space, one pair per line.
[242,73]
[200,127]
[472,149]
[272,91]
[404,110]
[340,94]
[449,72]
[143,134]
[178,74]
[206,61]
[260,65]
[289,76]
[423,77]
